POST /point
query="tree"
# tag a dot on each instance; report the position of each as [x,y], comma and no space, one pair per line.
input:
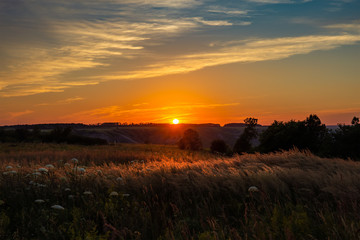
[355,121]
[219,146]
[309,134]
[243,143]
[190,140]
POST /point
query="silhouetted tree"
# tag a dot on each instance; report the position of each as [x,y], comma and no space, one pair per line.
[355,121]
[309,134]
[190,140]
[347,140]
[315,133]
[219,146]
[243,143]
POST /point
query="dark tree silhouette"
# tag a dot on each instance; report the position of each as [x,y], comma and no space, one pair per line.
[190,140]
[309,134]
[219,146]
[243,143]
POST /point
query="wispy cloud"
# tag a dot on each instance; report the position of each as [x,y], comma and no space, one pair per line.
[49,46]
[250,51]
[119,112]
[18,114]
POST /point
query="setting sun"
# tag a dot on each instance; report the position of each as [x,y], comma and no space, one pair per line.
[176,121]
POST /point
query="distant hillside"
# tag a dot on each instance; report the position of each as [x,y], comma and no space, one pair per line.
[163,134]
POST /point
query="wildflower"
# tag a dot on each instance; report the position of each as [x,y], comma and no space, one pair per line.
[67,189]
[18,166]
[13,172]
[75,160]
[253,189]
[57,207]
[63,179]
[50,166]
[8,167]
[79,169]
[67,164]
[126,195]
[40,185]
[99,172]
[39,201]
[43,170]
[119,179]
[114,194]
[5,173]
[87,193]
[36,173]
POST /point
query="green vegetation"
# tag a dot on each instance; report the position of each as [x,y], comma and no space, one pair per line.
[56,135]
[160,192]
[312,135]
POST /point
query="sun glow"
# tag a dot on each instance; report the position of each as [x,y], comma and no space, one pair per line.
[175,121]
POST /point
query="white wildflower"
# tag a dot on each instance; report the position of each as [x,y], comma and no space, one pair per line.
[40,185]
[5,173]
[43,170]
[39,201]
[126,195]
[119,179]
[8,167]
[75,160]
[67,164]
[253,189]
[67,189]
[114,194]
[79,169]
[13,172]
[50,166]
[57,207]
[36,173]
[87,193]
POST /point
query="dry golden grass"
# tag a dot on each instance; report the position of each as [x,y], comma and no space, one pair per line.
[164,193]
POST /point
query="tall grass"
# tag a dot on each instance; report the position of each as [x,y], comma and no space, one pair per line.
[164,193]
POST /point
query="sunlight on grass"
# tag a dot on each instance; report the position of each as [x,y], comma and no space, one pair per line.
[159,192]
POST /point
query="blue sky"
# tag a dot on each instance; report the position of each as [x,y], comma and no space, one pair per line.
[53,53]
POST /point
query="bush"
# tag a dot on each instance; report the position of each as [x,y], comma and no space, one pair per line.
[243,144]
[309,134]
[219,146]
[190,141]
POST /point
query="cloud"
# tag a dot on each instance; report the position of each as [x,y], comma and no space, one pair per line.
[213,22]
[244,52]
[118,112]
[48,46]
[18,114]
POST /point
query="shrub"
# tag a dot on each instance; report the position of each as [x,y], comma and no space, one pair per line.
[190,140]
[219,146]
[243,144]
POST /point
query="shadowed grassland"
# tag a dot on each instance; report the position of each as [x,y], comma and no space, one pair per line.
[160,192]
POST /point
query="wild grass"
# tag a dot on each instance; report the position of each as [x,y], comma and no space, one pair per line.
[159,192]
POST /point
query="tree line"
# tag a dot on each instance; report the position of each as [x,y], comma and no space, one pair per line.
[56,135]
[310,134]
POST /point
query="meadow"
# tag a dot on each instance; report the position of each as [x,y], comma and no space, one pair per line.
[133,191]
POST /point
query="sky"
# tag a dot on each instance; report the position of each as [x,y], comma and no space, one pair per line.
[200,61]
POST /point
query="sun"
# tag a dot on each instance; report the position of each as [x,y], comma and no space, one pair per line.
[176,121]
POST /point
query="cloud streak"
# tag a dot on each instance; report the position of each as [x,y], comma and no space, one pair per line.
[49,46]
[249,51]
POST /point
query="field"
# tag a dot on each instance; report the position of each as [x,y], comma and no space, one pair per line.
[159,192]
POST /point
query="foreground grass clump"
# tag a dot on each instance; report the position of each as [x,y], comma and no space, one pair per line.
[159,192]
